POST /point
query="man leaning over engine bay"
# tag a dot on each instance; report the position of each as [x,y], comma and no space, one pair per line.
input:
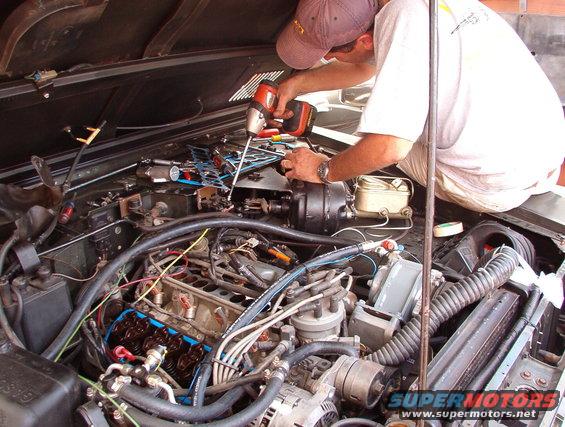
[501,130]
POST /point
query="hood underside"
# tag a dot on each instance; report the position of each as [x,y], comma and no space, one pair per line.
[67,64]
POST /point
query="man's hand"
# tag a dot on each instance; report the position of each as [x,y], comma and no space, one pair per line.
[302,164]
[287,91]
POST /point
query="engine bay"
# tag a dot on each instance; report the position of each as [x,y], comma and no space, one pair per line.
[153,298]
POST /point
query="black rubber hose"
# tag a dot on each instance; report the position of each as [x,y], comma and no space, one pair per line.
[5,325]
[240,419]
[257,306]
[320,347]
[355,422]
[496,359]
[183,220]
[47,232]
[69,178]
[137,396]
[8,244]
[486,231]
[222,388]
[107,274]
[243,418]
[406,342]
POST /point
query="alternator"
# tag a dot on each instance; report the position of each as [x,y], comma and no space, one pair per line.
[294,407]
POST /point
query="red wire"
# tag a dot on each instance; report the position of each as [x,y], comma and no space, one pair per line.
[143,279]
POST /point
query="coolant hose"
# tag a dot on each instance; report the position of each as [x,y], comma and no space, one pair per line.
[259,304]
[242,418]
[406,342]
[482,377]
[138,397]
[107,274]
[326,348]
[169,410]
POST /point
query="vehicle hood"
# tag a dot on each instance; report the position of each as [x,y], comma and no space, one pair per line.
[70,64]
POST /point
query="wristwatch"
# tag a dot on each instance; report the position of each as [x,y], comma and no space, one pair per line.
[323,172]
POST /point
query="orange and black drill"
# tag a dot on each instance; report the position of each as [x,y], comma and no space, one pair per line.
[263,105]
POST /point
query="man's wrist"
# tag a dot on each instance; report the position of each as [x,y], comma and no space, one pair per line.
[324,172]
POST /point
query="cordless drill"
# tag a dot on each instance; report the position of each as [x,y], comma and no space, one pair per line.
[263,105]
[261,109]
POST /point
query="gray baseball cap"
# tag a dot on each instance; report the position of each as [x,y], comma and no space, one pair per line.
[320,25]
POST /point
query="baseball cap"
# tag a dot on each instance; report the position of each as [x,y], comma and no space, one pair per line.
[320,25]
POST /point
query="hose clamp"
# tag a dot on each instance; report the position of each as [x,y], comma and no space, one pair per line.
[280,374]
[282,365]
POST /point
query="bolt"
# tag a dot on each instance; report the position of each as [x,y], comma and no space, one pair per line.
[46,95]
[541,382]
[526,375]
[90,392]
[117,415]
[43,272]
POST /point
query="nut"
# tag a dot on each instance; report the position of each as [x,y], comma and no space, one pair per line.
[541,382]
[526,375]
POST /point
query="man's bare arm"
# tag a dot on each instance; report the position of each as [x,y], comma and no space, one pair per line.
[371,153]
[335,75]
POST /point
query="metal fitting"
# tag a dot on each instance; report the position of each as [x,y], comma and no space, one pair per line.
[154,357]
[153,380]
[118,383]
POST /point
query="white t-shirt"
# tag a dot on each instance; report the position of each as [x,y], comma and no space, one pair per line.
[501,123]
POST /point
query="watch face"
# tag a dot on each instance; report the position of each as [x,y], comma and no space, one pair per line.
[323,172]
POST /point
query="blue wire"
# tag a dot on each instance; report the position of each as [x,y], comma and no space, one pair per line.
[375,268]
[184,399]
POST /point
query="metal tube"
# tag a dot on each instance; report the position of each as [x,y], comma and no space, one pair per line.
[102,177]
[430,202]
[84,236]
[242,158]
